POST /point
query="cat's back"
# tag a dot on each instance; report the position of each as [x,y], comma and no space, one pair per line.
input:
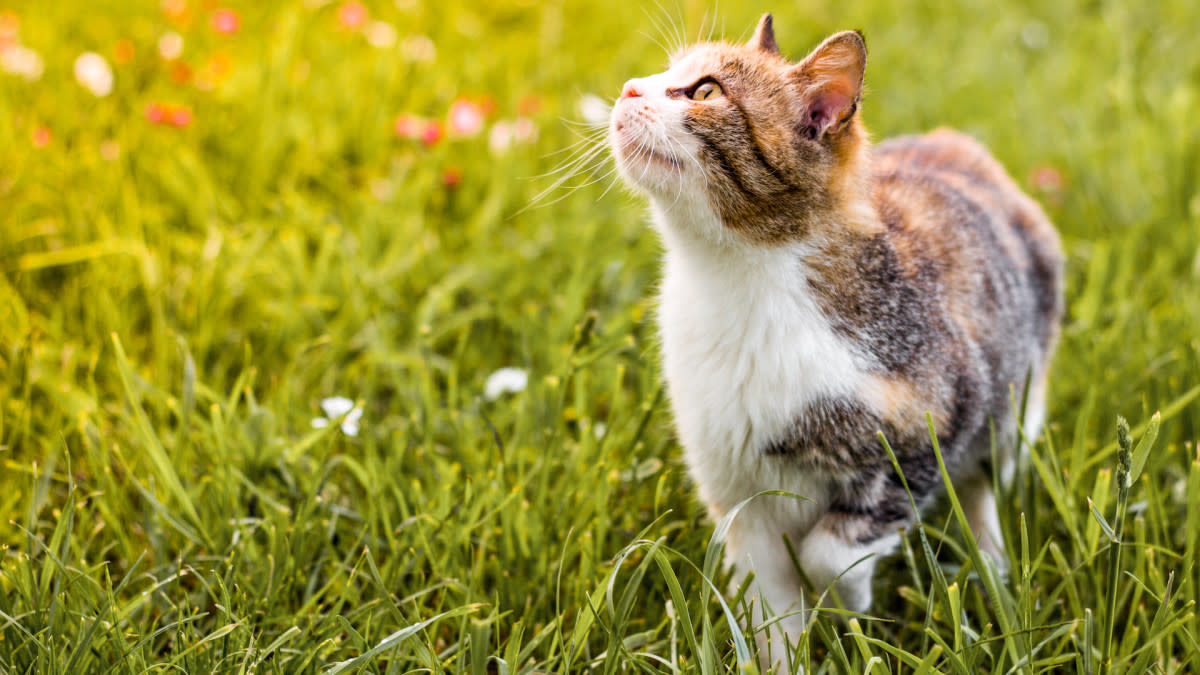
[953,213]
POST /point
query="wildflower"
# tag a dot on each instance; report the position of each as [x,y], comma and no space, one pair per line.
[500,138]
[594,110]
[123,51]
[1046,179]
[93,73]
[340,407]
[41,136]
[226,21]
[175,9]
[169,114]
[408,127]
[10,27]
[170,45]
[381,35]
[524,130]
[505,381]
[23,62]
[465,118]
[181,116]
[432,133]
[529,105]
[452,177]
[181,73]
[110,150]
[352,14]
[418,48]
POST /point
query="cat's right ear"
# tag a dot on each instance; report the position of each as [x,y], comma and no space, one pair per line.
[764,36]
[831,81]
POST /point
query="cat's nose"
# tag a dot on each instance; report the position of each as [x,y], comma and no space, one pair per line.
[630,90]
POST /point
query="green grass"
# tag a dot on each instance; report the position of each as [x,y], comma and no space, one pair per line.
[171,319]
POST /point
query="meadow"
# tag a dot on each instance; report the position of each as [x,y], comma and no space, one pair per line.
[229,216]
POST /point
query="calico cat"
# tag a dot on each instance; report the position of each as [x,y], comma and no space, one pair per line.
[817,291]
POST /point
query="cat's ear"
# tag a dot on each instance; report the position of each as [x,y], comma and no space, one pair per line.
[764,36]
[831,80]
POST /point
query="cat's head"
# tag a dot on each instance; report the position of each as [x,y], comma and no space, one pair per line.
[768,144]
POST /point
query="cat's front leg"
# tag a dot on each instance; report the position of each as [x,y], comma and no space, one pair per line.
[860,527]
[776,595]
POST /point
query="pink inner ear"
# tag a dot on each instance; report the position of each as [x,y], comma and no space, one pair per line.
[826,109]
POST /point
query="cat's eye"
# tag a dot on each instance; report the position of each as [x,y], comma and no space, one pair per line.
[706,91]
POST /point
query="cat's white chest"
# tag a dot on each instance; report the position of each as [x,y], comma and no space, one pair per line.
[745,349]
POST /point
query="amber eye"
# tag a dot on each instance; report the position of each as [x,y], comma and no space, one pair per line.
[706,91]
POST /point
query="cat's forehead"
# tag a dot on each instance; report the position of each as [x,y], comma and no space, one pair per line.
[709,59]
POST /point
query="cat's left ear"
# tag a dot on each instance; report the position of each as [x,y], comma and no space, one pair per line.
[831,81]
[764,36]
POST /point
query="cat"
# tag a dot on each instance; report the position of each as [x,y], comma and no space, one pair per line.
[816,291]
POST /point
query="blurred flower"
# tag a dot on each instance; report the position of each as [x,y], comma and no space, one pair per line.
[225,21]
[418,48]
[41,136]
[176,9]
[123,51]
[1046,179]
[181,116]
[506,133]
[10,28]
[352,14]
[524,130]
[594,110]
[452,176]
[381,34]
[505,381]
[529,105]
[170,45]
[340,407]
[169,114]
[432,133]
[465,118]
[23,62]
[408,126]
[487,104]
[93,73]
[110,150]
[500,138]
[181,73]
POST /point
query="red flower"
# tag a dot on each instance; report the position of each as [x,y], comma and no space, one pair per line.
[352,14]
[42,136]
[432,133]
[452,176]
[1046,178]
[181,116]
[226,21]
[169,114]
[156,113]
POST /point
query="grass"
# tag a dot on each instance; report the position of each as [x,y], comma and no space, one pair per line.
[175,302]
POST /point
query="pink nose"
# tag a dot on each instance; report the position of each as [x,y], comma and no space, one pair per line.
[630,90]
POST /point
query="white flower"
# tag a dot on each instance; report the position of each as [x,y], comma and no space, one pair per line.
[505,381]
[94,74]
[418,48]
[381,34]
[594,110]
[500,138]
[170,45]
[22,61]
[335,407]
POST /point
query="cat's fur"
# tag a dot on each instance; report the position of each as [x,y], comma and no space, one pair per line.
[817,291]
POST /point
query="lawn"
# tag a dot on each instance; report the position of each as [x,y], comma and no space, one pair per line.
[232,214]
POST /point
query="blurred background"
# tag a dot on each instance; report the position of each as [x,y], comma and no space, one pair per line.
[217,217]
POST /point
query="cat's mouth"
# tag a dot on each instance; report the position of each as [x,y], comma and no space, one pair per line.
[633,149]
